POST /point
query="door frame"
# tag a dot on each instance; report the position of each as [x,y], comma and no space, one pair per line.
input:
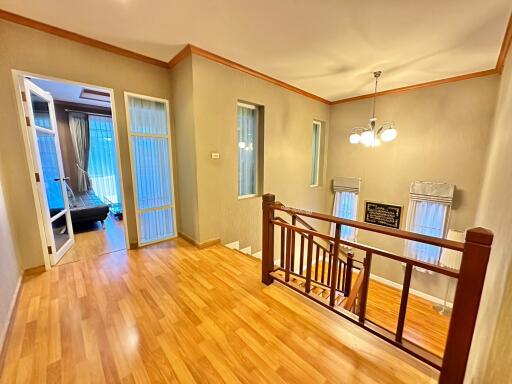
[132,164]
[18,75]
[32,88]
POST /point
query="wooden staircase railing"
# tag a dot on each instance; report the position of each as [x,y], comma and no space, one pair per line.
[334,290]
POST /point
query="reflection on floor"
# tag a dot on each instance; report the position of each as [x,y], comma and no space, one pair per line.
[93,240]
[175,314]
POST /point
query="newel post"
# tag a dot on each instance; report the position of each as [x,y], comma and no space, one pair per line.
[465,305]
[267,251]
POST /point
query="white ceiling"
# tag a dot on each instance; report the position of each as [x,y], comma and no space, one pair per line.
[68,92]
[326,47]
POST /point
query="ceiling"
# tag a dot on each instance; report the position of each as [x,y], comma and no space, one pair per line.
[68,92]
[327,47]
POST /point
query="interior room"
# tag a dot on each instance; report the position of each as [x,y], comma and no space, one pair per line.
[86,138]
[295,194]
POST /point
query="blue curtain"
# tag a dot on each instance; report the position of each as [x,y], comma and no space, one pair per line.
[247,151]
[103,171]
[345,207]
[426,218]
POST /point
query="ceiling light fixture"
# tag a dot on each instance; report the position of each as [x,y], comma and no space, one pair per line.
[370,135]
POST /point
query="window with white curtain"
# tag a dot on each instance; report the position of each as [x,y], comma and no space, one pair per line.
[428,214]
[247,128]
[315,154]
[345,207]
[346,196]
[102,170]
[150,137]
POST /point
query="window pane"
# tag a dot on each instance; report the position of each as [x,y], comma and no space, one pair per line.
[155,225]
[428,218]
[152,172]
[315,151]
[50,168]
[103,170]
[41,111]
[346,208]
[247,150]
[147,116]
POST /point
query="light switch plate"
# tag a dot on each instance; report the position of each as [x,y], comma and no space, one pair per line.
[215,155]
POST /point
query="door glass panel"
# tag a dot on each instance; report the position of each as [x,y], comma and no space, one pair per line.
[152,173]
[41,111]
[60,231]
[155,225]
[147,116]
[50,168]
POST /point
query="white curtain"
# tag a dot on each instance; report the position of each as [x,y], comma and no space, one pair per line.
[428,213]
[345,207]
[247,150]
[79,128]
[103,171]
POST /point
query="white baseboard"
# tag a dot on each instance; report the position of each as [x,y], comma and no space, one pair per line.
[414,292]
[3,332]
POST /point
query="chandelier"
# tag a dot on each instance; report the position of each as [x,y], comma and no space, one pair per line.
[370,135]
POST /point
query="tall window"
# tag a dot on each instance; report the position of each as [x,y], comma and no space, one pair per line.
[346,193]
[102,168]
[247,150]
[315,154]
[428,213]
[345,207]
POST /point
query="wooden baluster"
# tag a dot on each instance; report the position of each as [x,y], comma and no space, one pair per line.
[283,242]
[403,303]
[317,261]
[329,269]
[465,305]
[294,223]
[309,261]
[365,286]
[323,266]
[341,271]
[335,253]
[267,257]
[301,262]
[289,234]
[347,283]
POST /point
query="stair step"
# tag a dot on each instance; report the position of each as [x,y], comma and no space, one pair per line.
[246,250]
[233,245]
[258,254]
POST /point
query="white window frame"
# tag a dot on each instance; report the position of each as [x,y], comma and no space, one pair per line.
[257,149]
[337,196]
[315,165]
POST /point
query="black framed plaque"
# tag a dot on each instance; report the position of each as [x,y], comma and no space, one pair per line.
[387,215]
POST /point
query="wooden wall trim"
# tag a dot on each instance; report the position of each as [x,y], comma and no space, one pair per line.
[418,86]
[5,334]
[204,244]
[505,46]
[9,16]
[190,49]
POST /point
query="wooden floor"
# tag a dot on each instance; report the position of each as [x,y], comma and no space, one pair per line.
[173,313]
[94,240]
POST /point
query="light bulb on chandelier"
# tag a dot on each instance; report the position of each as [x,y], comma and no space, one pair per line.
[370,135]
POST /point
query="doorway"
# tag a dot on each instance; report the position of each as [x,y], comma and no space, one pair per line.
[74,151]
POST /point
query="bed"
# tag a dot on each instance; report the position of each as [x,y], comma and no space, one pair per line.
[86,207]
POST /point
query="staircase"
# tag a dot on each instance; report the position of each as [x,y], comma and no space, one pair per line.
[235,245]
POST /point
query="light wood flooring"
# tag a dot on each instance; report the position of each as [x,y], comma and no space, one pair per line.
[93,240]
[173,313]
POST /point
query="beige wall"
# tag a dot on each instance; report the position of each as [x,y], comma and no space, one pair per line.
[185,143]
[10,270]
[288,120]
[34,51]
[443,136]
[492,343]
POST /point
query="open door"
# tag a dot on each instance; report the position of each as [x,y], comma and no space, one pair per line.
[50,178]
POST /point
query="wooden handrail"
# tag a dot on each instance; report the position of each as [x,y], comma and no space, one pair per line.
[416,263]
[470,277]
[444,243]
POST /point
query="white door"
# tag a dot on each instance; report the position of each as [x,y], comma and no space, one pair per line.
[47,158]
[150,152]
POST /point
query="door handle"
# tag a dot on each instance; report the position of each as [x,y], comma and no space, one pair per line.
[63,179]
